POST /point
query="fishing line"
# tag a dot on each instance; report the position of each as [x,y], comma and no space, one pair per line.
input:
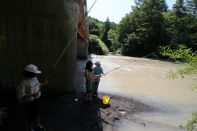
[115,69]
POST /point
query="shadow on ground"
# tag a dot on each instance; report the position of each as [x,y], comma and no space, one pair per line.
[58,112]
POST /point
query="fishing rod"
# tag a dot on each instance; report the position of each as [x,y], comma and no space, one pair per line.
[123,66]
[115,69]
[68,44]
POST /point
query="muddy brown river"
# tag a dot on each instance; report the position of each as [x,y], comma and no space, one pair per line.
[145,80]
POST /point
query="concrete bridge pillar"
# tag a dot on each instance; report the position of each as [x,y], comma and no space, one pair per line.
[82,48]
[36,31]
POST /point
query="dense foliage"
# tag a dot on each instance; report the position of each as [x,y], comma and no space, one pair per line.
[113,38]
[95,26]
[149,25]
[191,124]
[97,45]
[106,31]
[142,31]
[182,54]
[104,35]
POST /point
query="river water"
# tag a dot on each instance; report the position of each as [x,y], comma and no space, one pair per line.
[145,80]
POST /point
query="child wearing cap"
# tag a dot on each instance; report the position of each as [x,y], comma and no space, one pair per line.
[28,93]
[98,72]
[89,75]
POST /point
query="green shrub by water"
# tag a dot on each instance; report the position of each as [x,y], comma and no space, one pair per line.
[99,42]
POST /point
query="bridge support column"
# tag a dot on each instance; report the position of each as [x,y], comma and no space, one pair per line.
[36,32]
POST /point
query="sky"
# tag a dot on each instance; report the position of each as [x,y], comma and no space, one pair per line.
[113,9]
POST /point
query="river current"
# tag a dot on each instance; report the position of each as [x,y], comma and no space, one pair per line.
[145,80]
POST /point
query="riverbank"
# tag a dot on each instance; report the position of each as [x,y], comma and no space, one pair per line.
[73,113]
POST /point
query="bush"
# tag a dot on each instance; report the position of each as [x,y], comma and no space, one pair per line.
[95,43]
[182,54]
[191,124]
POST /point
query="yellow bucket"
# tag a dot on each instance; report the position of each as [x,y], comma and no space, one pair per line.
[105,100]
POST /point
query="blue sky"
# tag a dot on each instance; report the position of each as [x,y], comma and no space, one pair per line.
[113,9]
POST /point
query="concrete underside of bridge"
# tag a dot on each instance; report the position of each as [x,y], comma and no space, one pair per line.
[37,31]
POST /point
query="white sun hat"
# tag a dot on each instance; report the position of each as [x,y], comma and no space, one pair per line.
[97,63]
[32,68]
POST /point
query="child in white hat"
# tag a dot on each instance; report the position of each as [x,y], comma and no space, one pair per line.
[28,93]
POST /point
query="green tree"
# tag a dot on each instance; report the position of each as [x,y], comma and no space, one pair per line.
[177,28]
[191,7]
[138,3]
[185,25]
[153,24]
[180,29]
[179,8]
[101,29]
[126,26]
[94,26]
[113,37]
[130,42]
[142,31]
[104,35]
[164,5]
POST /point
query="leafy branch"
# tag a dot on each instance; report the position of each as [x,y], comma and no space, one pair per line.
[191,124]
[181,55]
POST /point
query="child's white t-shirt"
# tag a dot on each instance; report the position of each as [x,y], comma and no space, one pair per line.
[28,87]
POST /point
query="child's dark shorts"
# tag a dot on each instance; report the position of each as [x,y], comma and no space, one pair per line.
[33,109]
